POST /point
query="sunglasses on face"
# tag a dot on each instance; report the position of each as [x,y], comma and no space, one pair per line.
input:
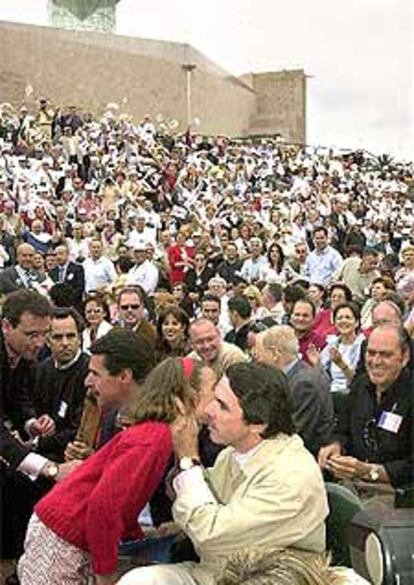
[127,307]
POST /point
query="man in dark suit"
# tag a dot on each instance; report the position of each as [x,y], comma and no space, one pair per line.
[22,275]
[313,408]
[239,311]
[70,273]
[197,278]
[24,327]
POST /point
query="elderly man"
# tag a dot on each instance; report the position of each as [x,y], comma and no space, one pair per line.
[144,272]
[211,349]
[313,408]
[22,275]
[323,261]
[374,440]
[265,489]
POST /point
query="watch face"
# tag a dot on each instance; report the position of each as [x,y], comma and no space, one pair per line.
[374,475]
[53,470]
[186,463]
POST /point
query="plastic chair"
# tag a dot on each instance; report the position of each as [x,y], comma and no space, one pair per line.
[343,505]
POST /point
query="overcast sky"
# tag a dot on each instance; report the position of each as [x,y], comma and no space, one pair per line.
[359,55]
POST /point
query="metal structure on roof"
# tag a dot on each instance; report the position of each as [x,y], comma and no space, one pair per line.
[92,15]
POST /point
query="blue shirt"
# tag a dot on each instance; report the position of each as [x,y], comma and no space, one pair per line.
[320,266]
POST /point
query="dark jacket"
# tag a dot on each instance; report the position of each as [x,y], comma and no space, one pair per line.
[197,283]
[314,415]
[361,426]
[60,394]
[239,337]
[16,405]
[74,277]
[10,280]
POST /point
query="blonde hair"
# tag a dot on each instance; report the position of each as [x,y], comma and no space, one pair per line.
[253,291]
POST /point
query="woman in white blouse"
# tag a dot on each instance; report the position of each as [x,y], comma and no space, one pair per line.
[275,269]
[96,315]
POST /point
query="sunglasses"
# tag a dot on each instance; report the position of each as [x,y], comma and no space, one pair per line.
[126,307]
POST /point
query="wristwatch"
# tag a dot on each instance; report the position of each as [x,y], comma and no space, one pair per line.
[51,470]
[186,463]
[373,473]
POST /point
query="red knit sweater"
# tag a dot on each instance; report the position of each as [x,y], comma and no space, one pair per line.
[99,503]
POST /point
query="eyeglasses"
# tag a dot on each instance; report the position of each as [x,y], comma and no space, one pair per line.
[126,307]
[89,311]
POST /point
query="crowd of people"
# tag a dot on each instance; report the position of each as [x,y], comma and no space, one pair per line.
[195,293]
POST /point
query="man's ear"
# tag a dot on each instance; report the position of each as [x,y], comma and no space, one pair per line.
[258,429]
[6,326]
[405,357]
[126,376]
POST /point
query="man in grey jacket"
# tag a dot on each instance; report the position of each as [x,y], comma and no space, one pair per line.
[313,415]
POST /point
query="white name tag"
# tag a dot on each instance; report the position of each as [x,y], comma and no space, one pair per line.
[62,409]
[389,421]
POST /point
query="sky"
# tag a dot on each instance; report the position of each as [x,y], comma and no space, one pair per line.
[358,54]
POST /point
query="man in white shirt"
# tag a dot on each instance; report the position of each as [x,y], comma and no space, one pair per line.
[144,273]
[264,490]
[251,268]
[99,271]
[141,235]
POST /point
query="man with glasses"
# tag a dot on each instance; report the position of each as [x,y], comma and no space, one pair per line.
[374,441]
[131,309]
[24,328]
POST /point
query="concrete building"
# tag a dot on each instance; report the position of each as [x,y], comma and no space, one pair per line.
[90,69]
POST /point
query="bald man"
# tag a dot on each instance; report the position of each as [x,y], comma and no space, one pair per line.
[22,275]
[373,442]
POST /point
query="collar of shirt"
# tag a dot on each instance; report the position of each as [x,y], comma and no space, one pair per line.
[68,364]
[288,367]
[240,459]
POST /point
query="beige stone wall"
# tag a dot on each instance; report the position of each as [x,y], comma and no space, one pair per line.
[280,105]
[143,76]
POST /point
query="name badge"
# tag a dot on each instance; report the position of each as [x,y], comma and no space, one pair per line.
[62,409]
[389,421]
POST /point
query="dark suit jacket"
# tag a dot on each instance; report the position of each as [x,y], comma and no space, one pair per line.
[16,406]
[10,280]
[314,415]
[74,277]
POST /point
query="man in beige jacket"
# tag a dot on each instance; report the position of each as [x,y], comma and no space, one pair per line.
[265,489]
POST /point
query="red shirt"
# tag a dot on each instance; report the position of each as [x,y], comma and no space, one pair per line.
[311,338]
[98,504]
[323,325]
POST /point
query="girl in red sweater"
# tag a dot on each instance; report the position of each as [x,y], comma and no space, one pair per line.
[79,524]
